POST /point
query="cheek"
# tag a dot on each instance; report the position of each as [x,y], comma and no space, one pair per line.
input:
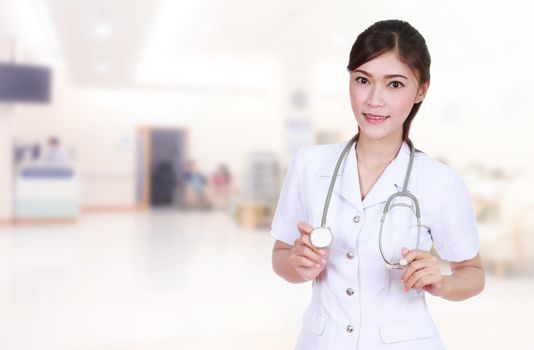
[357,99]
[401,104]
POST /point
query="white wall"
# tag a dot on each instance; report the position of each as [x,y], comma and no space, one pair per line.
[477,109]
[6,118]
[6,177]
[100,126]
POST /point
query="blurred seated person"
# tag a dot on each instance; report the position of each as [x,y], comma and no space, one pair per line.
[195,188]
[222,187]
[54,154]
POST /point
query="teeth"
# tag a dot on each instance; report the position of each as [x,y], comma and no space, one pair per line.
[370,116]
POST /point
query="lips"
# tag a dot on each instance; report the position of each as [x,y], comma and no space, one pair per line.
[375,118]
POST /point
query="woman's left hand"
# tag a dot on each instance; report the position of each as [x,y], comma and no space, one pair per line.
[423,272]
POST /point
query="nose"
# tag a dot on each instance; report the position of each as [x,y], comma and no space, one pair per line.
[375,98]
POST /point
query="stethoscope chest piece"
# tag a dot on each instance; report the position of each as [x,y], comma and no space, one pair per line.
[402,264]
[321,237]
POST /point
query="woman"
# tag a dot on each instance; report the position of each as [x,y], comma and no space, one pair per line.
[357,301]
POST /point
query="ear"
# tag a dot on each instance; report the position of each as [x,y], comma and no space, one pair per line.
[421,93]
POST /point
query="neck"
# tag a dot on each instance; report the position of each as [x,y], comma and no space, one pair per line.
[378,152]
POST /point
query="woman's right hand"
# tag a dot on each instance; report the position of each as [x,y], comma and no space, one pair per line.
[307,260]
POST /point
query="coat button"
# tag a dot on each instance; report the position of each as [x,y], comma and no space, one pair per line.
[350,255]
[356,219]
[350,329]
[350,291]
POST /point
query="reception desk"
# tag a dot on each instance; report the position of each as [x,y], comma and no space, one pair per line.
[46,191]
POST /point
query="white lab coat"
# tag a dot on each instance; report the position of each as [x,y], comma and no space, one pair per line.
[356,302]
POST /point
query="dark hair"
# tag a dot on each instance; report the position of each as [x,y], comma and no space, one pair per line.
[399,36]
[53,141]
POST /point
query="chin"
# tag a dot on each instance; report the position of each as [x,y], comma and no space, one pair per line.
[375,133]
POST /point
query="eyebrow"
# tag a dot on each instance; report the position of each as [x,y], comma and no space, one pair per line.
[387,76]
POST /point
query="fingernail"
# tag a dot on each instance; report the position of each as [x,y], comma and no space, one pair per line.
[323,261]
[322,252]
[317,265]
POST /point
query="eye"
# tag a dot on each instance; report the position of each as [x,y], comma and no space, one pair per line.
[362,80]
[396,84]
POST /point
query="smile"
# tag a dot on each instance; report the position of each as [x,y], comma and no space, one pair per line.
[375,118]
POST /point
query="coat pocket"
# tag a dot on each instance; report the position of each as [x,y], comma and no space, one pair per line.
[314,322]
[395,332]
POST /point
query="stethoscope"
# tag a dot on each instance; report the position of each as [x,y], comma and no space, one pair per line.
[322,237]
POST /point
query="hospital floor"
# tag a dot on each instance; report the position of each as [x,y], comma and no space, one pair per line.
[164,279]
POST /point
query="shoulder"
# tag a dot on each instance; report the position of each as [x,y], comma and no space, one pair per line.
[311,159]
[319,151]
[437,176]
[431,168]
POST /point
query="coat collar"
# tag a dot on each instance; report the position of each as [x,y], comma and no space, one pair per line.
[348,183]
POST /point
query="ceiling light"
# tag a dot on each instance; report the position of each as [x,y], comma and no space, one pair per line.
[102,67]
[102,30]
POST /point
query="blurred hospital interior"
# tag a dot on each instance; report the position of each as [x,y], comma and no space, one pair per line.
[143,146]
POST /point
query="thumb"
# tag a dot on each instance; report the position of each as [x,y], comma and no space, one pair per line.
[404,251]
[304,228]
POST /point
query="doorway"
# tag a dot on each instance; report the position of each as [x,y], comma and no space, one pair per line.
[161,159]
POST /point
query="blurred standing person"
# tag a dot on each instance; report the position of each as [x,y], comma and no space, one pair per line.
[195,188]
[222,187]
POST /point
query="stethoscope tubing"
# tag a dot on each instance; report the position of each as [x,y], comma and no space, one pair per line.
[403,193]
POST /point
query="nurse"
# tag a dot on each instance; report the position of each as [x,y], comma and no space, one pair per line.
[357,302]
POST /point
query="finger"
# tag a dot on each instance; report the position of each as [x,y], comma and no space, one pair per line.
[414,254]
[425,281]
[310,254]
[304,228]
[416,276]
[429,262]
[404,251]
[305,239]
[302,261]
[414,266]
[305,231]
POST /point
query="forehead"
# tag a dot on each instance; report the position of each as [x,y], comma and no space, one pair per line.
[385,64]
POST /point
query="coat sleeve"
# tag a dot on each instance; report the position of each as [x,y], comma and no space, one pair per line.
[291,204]
[455,232]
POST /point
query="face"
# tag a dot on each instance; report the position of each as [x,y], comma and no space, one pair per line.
[382,94]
